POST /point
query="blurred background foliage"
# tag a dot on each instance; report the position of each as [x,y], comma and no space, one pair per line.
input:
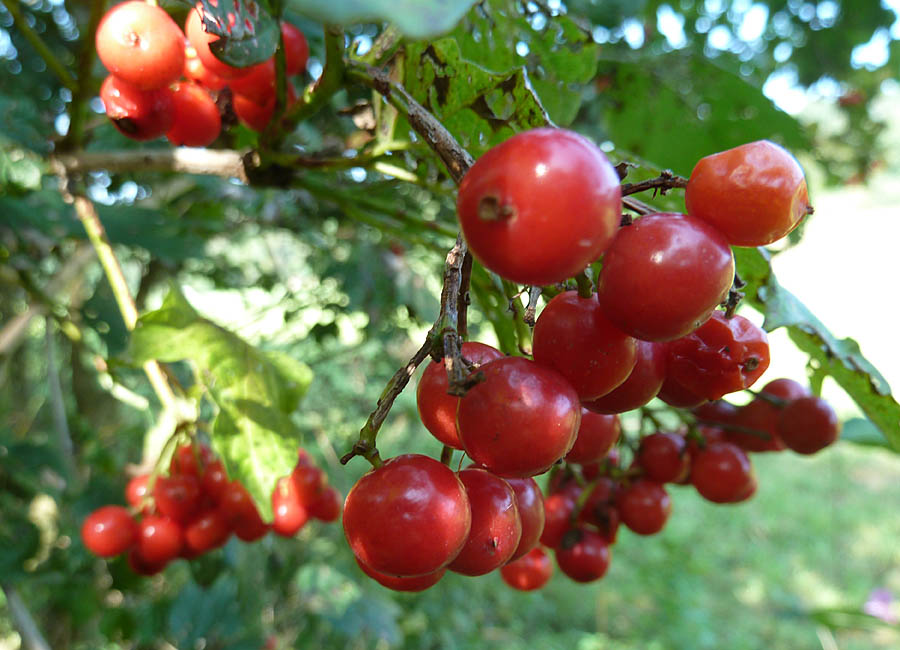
[341,271]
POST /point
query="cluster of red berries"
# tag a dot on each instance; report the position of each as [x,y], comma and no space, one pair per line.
[538,209]
[162,83]
[196,508]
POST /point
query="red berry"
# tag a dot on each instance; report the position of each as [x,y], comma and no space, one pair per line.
[257,116]
[721,472]
[496,524]
[721,356]
[760,417]
[411,516]
[530,503]
[195,71]
[108,531]
[136,493]
[529,572]
[558,508]
[664,457]
[178,497]
[327,507]
[403,583]
[214,480]
[541,206]
[258,84]
[520,420]
[296,49]
[573,337]
[663,276]
[141,567]
[160,540]
[642,384]
[754,194]
[644,506]
[808,424]
[240,513]
[308,483]
[197,122]
[600,509]
[437,408]
[675,394]
[596,436]
[208,531]
[141,45]
[289,513]
[585,560]
[137,114]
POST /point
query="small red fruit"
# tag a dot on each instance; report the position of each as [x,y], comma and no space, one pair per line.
[644,507]
[137,114]
[160,540]
[642,384]
[289,513]
[403,583]
[721,472]
[327,507]
[197,122]
[296,49]
[596,436]
[529,572]
[808,424]
[585,560]
[664,457]
[530,503]
[178,497]
[108,531]
[206,532]
[200,39]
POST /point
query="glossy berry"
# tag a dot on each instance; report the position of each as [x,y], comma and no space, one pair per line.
[808,424]
[437,409]
[644,506]
[641,385]
[139,566]
[600,509]
[721,356]
[541,206]
[108,531]
[309,482]
[520,420]
[596,436]
[200,39]
[675,394]
[529,572]
[585,560]
[574,337]
[258,84]
[296,49]
[160,540]
[664,457]
[327,506]
[141,45]
[195,71]
[758,419]
[214,480]
[289,513]
[257,116]
[754,194]
[208,531]
[178,497]
[558,508]
[663,276]
[496,525]
[136,492]
[403,583]
[240,513]
[197,122]
[530,503]
[409,517]
[137,114]
[721,472]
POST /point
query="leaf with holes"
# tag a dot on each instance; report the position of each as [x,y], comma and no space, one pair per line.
[249,32]
[256,391]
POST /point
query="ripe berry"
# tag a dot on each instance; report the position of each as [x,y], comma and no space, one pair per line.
[641,386]
[721,356]
[644,506]
[197,122]
[600,509]
[257,116]
[541,206]
[409,517]
[289,513]
[721,472]
[160,540]
[675,394]
[520,420]
[558,508]
[529,572]
[208,531]
[664,457]
[753,194]
[137,114]
[136,491]
[178,497]
[403,583]
[140,44]
[258,84]
[574,337]
[663,276]
[596,436]
[108,531]
[240,512]
[808,424]
[530,503]
[296,49]
[585,560]
[327,506]
[200,39]
[496,525]
[195,71]
[437,408]
[760,417]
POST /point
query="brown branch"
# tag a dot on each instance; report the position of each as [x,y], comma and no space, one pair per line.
[531,308]
[662,183]
[188,160]
[637,206]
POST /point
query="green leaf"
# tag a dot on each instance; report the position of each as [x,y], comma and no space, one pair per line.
[861,431]
[846,618]
[482,108]
[249,33]
[256,391]
[841,359]
[19,540]
[659,107]
[415,18]
[20,170]
[561,55]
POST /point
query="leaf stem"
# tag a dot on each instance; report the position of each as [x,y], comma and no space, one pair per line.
[332,78]
[43,50]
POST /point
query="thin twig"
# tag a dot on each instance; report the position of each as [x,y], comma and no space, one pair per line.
[32,639]
[531,308]
[43,50]
[662,183]
[78,107]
